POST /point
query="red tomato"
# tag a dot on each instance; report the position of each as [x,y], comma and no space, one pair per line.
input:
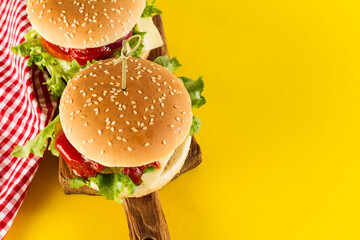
[56,51]
[80,55]
[89,54]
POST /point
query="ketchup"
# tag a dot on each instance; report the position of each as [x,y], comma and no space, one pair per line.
[82,55]
[135,173]
[86,168]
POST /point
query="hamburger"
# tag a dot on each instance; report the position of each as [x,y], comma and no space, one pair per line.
[68,35]
[123,143]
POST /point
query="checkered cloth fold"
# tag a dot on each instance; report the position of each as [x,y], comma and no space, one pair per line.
[25,108]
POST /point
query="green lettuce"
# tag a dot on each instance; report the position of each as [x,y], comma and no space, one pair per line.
[59,69]
[78,182]
[38,145]
[110,185]
[172,64]
[150,9]
[195,126]
[195,88]
[150,169]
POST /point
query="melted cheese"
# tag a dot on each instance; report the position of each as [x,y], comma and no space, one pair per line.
[151,178]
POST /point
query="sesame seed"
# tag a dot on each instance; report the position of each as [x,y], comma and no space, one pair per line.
[99,132]
[109,143]
[164,142]
[134,129]
[102,152]
[129,148]
[146,144]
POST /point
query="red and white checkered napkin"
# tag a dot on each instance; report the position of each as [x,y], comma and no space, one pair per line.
[25,108]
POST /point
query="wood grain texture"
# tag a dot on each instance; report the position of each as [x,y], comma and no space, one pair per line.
[145,217]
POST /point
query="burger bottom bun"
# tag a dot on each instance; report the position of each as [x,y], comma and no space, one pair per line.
[173,167]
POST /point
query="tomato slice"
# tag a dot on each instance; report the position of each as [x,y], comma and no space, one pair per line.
[89,54]
[80,55]
[56,51]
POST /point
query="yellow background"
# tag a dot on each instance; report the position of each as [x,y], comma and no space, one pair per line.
[280,134]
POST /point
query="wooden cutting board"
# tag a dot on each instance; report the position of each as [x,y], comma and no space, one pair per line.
[145,217]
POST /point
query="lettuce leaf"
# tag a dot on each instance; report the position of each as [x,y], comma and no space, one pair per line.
[195,126]
[195,88]
[150,10]
[172,64]
[77,182]
[110,185]
[150,169]
[59,69]
[38,145]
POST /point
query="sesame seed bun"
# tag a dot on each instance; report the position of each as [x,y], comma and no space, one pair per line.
[143,124]
[84,23]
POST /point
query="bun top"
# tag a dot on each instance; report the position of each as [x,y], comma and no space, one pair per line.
[84,23]
[140,125]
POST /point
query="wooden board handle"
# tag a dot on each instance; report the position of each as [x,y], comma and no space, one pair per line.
[145,218]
